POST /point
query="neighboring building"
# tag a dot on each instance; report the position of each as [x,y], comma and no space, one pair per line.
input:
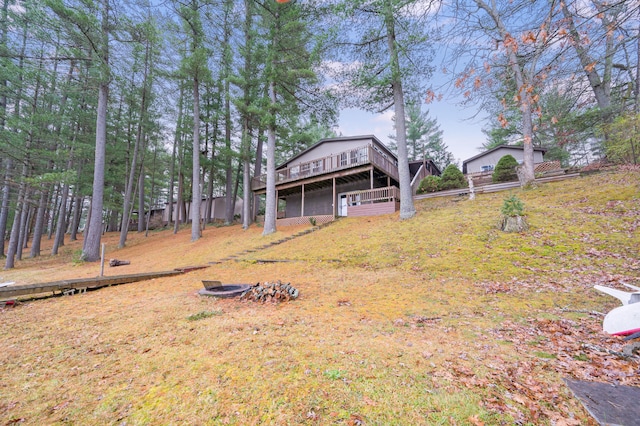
[344,176]
[486,161]
[218,209]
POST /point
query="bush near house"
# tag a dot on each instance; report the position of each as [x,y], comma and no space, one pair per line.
[452,178]
[429,184]
[505,170]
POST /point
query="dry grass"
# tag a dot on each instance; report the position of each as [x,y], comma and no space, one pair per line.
[442,319]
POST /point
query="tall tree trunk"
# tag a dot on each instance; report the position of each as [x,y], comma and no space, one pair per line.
[8,162]
[39,225]
[4,207]
[179,203]
[61,227]
[15,228]
[257,171]
[246,192]
[271,200]
[141,203]
[245,148]
[124,229]
[212,170]
[523,86]
[91,251]
[407,210]
[55,199]
[196,197]
[75,222]
[22,232]
[151,198]
[10,261]
[228,219]
[176,140]
[62,213]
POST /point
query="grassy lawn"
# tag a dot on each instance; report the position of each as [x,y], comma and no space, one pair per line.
[441,319]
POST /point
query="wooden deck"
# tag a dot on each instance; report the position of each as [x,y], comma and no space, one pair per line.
[81,284]
[373,202]
[357,157]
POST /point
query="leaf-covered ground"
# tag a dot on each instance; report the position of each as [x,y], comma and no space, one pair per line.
[441,319]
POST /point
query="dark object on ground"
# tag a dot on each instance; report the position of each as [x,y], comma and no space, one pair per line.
[5,303]
[210,284]
[217,289]
[116,262]
[271,292]
[632,336]
[608,404]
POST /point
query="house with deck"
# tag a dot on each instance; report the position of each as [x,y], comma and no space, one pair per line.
[343,176]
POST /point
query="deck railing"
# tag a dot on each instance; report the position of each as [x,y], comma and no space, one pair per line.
[343,160]
[377,195]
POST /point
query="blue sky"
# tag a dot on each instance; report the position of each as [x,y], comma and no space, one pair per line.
[461,132]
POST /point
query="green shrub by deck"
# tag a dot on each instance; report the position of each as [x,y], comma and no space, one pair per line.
[505,170]
[428,184]
[452,178]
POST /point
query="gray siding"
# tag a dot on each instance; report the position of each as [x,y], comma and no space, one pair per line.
[492,158]
[319,201]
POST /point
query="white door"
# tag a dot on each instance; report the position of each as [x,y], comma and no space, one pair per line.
[342,211]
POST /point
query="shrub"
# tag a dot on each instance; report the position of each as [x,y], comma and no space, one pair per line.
[429,184]
[513,219]
[452,178]
[512,207]
[505,170]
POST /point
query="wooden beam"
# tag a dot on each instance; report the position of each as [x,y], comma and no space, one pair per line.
[326,177]
[302,208]
[334,198]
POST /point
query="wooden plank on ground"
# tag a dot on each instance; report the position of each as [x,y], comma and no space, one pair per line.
[96,282]
[608,403]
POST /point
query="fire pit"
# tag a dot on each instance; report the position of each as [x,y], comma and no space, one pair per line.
[217,289]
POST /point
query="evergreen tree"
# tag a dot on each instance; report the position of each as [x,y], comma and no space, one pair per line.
[393,57]
[292,84]
[424,137]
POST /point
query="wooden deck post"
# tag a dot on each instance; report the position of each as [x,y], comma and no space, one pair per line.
[371,177]
[333,204]
[302,208]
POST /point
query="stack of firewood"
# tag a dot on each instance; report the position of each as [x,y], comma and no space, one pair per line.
[270,292]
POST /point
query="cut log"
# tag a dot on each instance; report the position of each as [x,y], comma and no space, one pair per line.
[116,262]
[514,224]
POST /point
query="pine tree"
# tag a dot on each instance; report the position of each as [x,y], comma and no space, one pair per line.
[393,58]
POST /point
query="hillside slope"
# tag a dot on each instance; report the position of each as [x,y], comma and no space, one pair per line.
[439,319]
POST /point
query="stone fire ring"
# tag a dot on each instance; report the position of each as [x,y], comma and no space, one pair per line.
[225,291]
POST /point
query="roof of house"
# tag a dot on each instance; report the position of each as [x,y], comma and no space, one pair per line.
[337,139]
[517,147]
[418,163]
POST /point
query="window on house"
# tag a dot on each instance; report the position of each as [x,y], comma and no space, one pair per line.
[354,156]
[317,166]
[304,169]
[294,171]
[362,155]
[343,159]
[487,168]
